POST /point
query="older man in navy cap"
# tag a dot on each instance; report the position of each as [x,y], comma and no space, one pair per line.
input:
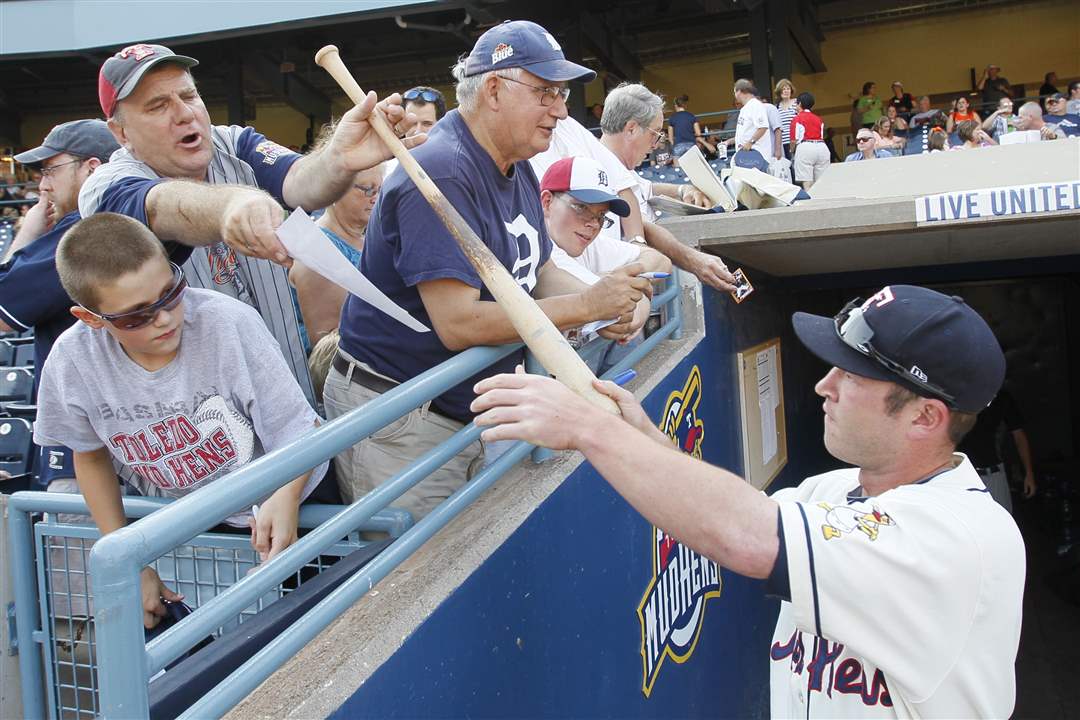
[511,90]
[901,579]
[31,295]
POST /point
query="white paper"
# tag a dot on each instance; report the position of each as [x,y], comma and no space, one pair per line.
[308,244]
[768,401]
[595,325]
[702,177]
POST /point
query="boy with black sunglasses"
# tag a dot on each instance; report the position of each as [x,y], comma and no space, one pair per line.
[168,386]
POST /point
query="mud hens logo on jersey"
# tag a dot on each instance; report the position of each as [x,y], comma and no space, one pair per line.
[222,261]
[673,608]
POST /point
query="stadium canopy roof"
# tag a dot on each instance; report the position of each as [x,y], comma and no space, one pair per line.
[37,27]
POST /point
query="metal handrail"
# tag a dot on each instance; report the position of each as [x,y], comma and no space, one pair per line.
[117,559]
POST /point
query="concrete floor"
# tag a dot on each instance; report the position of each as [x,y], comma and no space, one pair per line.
[1045,665]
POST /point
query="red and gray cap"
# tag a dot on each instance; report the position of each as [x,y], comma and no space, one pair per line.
[122,72]
[583,179]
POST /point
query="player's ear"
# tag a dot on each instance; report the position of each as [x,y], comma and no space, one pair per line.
[87,317]
[545,199]
[932,419]
[116,127]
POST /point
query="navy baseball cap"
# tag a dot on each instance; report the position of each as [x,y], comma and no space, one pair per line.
[932,344]
[750,159]
[122,72]
[523,44]
[85,138]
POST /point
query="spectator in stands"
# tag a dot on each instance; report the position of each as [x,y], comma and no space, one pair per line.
[899,123]
[170,387]
[753,131]
[938,140]
[868,105]
[993,86]
[864,141]
[808,143]
[1030,117]
[427,104]
[508,107]
[961,112]
[344,222]
[219,188]
[632,118]
[1001,121]
[830,142]
[577,198]
[31,295]
[884,138]
[1056,114]
[1073,106]
[597,111]
[923,111]
[1049,87]
[684,131]
[972,135]
[900,101]
[788,108]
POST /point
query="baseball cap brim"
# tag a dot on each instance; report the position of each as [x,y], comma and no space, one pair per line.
[132,82]
[819,336]
[36,155]
[615,203]
[560,71]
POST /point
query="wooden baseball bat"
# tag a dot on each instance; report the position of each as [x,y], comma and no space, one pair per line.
[534,327]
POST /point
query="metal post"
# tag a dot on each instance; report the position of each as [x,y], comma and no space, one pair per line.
[675,315]
[121,644]
[26,608]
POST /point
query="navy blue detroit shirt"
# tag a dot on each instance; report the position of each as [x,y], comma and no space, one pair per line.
[31,295]
[406,244]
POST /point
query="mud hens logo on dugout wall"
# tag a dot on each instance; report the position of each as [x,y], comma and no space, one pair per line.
[673,608]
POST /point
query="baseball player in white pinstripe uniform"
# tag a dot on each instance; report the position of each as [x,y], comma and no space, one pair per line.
[214,193]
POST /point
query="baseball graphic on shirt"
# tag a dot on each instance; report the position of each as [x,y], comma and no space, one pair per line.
[213,413]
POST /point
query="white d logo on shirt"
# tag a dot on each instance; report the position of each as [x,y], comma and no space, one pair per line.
[524,270]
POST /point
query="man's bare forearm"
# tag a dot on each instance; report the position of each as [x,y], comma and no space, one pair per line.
[661,240]
[314,182]
[189,212]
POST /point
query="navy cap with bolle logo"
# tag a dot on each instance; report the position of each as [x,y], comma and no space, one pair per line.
[935,345]
[523,44]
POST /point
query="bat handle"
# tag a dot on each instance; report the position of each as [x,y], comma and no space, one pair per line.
[329,59]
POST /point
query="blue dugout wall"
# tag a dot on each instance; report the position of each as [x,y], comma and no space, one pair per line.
[587,610]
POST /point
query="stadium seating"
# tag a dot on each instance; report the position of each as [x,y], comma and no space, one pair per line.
[16,447]
[16,385]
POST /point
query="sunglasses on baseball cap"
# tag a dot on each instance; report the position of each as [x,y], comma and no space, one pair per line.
[141,317]
[933,344]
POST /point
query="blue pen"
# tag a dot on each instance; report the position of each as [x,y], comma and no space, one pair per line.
[655,275]
[624,377]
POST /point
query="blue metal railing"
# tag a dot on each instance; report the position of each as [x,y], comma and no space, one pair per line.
[117,559]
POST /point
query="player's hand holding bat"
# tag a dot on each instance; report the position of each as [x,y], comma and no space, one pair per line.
[248,224]
[616,294]
[153,592]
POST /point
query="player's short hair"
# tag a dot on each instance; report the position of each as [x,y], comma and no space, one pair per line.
[806,100]
[467,89]
[960,423]
[746,86]
[101,248]
[629,101]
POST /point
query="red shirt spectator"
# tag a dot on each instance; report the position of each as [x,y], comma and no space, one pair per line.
[806,126]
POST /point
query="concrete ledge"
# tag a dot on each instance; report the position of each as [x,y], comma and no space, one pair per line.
[341,658]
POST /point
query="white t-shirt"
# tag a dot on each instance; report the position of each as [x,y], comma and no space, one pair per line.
[907,604]
[752,116]
[228,397]
[571,138]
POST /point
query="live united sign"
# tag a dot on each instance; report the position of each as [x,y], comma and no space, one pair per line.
[991,203]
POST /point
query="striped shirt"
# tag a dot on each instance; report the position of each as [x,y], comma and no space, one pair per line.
[786,115]
[241,156]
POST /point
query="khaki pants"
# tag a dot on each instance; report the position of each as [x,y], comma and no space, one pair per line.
[372,461]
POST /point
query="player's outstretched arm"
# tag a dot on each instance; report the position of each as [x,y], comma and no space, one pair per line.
[707,508]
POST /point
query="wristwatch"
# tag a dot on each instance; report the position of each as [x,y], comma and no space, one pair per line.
[639,239]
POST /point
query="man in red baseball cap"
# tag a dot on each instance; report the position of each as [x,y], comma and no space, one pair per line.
[214,193]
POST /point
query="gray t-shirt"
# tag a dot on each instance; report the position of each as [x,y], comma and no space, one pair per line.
[226,398]
[241,156]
